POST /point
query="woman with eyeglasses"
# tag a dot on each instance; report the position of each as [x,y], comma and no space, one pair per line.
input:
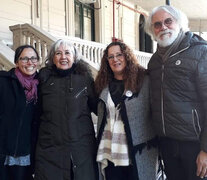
[18,99]
[126,141]
[66,147]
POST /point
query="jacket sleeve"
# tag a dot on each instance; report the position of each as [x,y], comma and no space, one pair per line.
[35,130]
[92,96]
[1,105]
[201,82]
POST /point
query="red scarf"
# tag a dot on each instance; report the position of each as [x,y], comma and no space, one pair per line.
[29,84]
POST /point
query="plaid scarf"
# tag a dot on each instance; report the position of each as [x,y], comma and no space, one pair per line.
[113,145]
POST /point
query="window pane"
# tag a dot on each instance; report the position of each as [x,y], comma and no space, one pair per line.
[77,21]
[87,28]
[85,12]
[89,13]
[84,21]
[77,9]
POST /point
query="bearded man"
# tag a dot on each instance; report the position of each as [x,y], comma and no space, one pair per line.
[178,74]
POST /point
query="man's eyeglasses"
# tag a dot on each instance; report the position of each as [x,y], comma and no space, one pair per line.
[167,22]
[26,59]
[118,56]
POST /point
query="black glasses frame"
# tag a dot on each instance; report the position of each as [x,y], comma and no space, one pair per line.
[26,59]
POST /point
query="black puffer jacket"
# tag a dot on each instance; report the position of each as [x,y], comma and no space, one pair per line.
[179,91]
[66,130]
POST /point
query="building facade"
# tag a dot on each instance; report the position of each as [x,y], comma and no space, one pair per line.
[97,21]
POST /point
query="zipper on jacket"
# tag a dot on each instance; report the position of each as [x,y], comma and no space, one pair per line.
[162,102]
[73,166]
[180,51]
[195,119]
[80,92]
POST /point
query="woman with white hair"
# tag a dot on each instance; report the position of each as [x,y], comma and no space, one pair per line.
[66,147]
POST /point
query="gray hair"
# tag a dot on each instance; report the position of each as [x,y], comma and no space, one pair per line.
[178,15]
[65,43]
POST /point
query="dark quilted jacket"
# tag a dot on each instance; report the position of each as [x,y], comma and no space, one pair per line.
[179,91]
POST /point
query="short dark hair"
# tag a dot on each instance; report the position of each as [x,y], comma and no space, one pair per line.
[19,50]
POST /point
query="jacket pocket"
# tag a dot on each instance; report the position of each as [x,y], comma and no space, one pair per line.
[82,91]
[196,123]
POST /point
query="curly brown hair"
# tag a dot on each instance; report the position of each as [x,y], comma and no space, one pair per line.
[133,73]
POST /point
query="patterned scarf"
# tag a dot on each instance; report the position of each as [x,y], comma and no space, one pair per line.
[29,84]
[113,145]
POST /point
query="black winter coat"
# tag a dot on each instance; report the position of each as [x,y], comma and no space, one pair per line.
[66,133]
[179,91]
[17,119]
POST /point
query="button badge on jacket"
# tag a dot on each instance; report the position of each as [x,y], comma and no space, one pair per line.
[178,62]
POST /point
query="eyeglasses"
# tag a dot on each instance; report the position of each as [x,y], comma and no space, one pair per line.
[118,56]
[167,22]
[26,59]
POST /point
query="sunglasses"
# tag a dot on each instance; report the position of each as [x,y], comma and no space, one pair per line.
[167,22]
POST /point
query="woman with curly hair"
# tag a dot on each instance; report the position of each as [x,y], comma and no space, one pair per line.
[126,141]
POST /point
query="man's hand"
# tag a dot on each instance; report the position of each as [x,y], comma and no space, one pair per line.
[201,162]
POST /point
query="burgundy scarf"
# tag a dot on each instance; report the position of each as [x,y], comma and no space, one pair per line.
[29,84]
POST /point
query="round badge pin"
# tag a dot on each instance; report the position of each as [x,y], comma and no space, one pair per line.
[128,93]
[178,62]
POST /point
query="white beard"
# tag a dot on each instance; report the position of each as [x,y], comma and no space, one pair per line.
[167,39]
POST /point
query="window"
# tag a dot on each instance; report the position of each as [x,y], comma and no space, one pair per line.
[84,21]
[145,42]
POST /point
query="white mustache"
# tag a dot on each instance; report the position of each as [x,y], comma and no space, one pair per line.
[165,32]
